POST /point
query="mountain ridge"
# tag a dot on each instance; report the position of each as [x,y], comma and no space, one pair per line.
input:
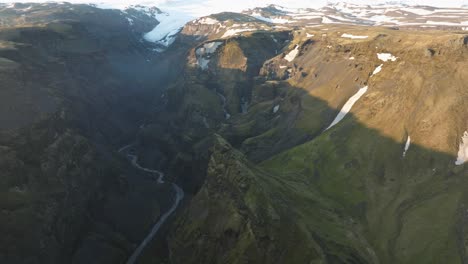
[390,14]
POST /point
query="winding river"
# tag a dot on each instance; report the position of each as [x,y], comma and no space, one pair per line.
[179,195]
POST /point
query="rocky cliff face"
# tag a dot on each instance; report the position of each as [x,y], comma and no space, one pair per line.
[294,144]
[360,188]
[76,83]
[243,213]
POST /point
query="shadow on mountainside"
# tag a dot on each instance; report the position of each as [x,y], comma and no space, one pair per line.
[343,196]
[292,193]
[70,93]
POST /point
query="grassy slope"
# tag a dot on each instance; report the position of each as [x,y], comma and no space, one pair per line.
[408,208]
[243,213]
[347,193]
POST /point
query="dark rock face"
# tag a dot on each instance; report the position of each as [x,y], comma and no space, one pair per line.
[72,48]
[76,81]
[48,206]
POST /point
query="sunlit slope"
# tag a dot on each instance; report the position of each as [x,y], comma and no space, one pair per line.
[349,194]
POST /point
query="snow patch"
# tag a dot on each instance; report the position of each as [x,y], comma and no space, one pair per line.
[339,18]
[326,20]
[463,150]
[407,145]
[418,11]
[305,17]
[211,47]
[203,63]
[345,35]
[275,20]
[233,32]
[386,57]
[309,35]
[207,21]
[347,106]
[377,70]
[292,54]
[203,53]
[276,109]
[351,58]
[382,19]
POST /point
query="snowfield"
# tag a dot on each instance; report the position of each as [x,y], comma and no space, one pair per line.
[170,25]
[347,106]
[176,13]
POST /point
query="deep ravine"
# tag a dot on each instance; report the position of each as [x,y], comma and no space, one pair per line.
[223,104]
[179,195]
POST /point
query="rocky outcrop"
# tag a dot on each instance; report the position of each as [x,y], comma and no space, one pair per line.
[48,203]
[241,214]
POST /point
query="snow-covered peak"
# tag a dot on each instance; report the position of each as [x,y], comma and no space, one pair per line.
[152,11]
[169,26]
[384,14]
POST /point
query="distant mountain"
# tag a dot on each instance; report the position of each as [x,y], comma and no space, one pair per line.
[390,14]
